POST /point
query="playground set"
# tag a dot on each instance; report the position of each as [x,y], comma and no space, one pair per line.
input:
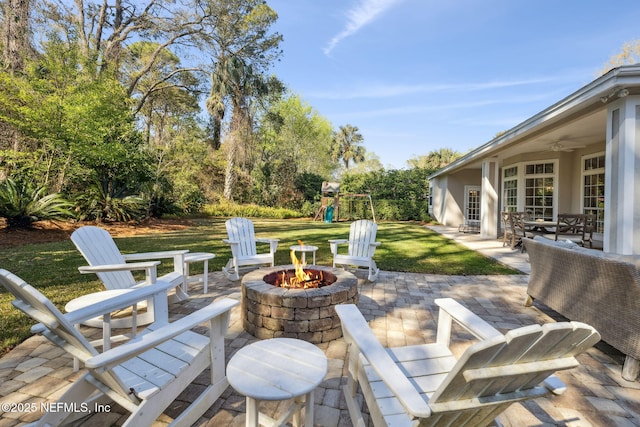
[352,206]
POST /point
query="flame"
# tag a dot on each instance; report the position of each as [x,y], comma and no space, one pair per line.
[301,275]
[299,278]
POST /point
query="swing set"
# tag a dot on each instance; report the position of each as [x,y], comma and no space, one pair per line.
[353,206]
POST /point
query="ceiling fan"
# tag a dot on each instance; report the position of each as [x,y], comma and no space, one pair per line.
[559,146]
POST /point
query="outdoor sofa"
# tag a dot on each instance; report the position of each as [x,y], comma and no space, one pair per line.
[600,289]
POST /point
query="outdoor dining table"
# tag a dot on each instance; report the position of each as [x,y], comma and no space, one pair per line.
[540,225]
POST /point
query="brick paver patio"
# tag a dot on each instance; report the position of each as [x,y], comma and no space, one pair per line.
[401,311]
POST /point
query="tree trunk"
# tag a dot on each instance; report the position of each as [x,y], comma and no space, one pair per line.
[15,33]
[230,173]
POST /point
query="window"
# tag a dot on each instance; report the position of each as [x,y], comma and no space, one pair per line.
[593,189]
[510,189]
[539,190]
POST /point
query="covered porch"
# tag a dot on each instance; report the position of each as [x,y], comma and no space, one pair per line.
[578,156]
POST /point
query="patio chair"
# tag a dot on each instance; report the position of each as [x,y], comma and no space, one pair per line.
[507,228]
[575,227]
[426,385]
[588,230]
[144,375]
[244,250]
[520,230]
[361,247]
[105,260]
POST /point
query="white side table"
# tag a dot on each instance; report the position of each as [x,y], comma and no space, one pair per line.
[304,249]
[197,257]
[278,369]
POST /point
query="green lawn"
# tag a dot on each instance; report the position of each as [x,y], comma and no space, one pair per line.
[406,246]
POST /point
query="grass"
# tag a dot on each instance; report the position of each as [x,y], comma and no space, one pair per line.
[53,267]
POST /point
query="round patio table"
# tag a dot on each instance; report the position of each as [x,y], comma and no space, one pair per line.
[304,249]
[278,369]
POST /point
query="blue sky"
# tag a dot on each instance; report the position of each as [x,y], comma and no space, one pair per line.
[419,75]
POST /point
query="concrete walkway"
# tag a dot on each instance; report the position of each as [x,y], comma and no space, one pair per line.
[400,309]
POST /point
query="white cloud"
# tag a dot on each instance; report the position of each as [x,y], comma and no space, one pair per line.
[358,16]
[389,91]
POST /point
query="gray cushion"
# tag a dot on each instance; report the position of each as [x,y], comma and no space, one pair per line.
[567,244]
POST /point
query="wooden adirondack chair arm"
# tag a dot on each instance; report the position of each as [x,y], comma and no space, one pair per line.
[338,241]
[450,310]
[273,243]
[119,302]
[111,304]
[150,268]
[230,242]
[131,266]
[155,255]
[333,244]
[363,340]
[177,255]
[372,247]
[266,240]
[163,333]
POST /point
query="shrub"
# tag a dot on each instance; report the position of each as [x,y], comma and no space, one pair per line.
[99,204]
[228,209]
[22,204]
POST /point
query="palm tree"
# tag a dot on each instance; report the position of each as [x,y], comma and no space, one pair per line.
[346,145]
[236,81]
[435,160]
[244,49]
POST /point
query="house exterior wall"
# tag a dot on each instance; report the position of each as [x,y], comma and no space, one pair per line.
[448,196]
[568,185]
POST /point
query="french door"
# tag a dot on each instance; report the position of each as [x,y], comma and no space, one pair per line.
[472,204]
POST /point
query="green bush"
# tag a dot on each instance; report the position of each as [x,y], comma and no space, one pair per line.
[23,204]
[227,209]
[402,210]
[101,204]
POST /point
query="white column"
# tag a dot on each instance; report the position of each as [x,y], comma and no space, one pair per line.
[622,177]
[489,206]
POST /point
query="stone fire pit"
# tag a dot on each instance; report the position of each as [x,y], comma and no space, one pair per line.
[308,314]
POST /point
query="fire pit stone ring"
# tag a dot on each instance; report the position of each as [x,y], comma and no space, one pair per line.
[308,314]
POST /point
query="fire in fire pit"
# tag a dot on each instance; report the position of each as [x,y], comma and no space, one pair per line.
[310,280]
[300,277]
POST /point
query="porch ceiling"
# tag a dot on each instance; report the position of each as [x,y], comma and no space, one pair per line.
[567,136]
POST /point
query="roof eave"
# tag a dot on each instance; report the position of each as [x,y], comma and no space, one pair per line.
[606,84]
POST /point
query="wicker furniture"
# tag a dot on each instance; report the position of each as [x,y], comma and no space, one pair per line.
[590,286]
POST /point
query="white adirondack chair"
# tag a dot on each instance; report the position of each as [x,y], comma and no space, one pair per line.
[361,247]
[105,260]
[425,385]
[244,249]
[144,375]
